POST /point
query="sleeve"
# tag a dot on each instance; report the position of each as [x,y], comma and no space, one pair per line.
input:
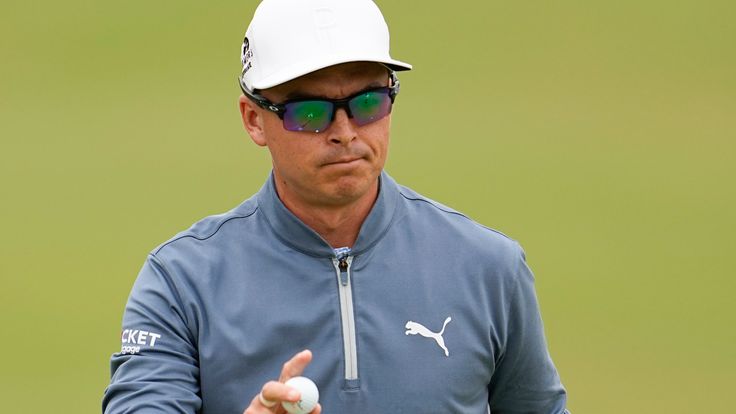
[156,370]
[525,379]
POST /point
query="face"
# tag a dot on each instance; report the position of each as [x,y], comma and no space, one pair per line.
[336,167]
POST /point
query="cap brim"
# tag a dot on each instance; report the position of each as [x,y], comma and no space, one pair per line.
[284,76]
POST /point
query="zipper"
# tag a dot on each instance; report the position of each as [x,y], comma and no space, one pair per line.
[342,264]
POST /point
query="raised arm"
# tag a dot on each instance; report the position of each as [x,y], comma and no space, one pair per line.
[156,370]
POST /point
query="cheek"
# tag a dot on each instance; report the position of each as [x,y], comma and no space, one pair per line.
[378,138]
[289,156]
[290,153]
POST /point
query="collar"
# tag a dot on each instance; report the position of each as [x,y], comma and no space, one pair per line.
[294,233]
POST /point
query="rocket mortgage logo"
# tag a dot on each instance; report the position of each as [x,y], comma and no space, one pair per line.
[133,339]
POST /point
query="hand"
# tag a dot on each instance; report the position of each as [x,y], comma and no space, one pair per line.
[277,391]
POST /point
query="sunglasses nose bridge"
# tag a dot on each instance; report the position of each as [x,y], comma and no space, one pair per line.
[346,118]
[341,105]
[342,129]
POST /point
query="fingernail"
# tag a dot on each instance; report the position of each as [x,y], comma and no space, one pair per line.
[293,395]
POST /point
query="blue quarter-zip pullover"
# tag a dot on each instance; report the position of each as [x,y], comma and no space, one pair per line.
[429,312]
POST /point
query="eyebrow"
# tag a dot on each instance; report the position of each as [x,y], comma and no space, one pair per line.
[297,94]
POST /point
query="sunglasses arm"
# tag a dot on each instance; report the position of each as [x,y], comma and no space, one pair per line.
[395,85]
[261,100]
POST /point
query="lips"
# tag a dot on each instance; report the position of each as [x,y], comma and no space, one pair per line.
[338,156]
[343,161]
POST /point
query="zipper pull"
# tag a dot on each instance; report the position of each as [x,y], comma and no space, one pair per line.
[342,255]
[343,265]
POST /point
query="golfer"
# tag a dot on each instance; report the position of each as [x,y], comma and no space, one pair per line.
[389,301]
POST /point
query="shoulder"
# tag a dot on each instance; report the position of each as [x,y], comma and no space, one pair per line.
[485,256]
[212,230]
[425,208]
[441,227]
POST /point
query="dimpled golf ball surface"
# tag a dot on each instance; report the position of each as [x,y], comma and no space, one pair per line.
[310,396]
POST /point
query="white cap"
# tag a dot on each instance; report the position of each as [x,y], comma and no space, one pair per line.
[290,38]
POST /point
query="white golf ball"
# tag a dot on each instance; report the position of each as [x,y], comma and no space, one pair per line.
[310,396]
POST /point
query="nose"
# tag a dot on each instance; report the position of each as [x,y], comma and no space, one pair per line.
[342,131]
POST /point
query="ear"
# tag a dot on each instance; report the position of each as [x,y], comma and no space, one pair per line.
[252,118]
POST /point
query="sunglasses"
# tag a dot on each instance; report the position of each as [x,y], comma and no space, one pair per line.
[316,115]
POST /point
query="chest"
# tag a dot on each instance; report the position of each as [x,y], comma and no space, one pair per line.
[387,336]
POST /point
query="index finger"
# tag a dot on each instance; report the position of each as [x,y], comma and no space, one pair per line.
[295,366]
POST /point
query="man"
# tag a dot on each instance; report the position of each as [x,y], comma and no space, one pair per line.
[389,301]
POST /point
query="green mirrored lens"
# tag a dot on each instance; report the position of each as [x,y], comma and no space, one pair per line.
[370,106]
[312,116]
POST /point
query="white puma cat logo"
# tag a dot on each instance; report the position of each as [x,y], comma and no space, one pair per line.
[413,328]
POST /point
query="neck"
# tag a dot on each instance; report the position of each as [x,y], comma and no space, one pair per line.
[339,225]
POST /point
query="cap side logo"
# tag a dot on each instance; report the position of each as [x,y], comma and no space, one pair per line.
[246,55]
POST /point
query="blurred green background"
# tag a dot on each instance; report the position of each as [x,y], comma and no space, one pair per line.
[599,134]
